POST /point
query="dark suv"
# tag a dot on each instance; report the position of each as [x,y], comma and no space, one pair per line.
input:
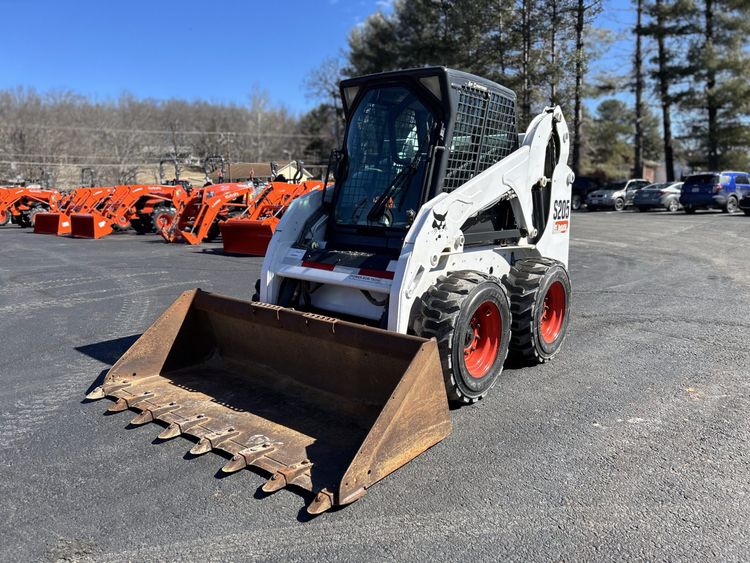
[714,190]
[582,187]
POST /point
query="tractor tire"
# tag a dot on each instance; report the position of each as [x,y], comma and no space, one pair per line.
[213,231]
[619,204]
[162,217]
[4,217]
[33,212]
[540,292]
[732,205]
[469,315]
[142,225]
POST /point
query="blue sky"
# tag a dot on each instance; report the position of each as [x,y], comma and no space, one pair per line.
[217,51]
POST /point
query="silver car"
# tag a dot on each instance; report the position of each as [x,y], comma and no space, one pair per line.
[659,196]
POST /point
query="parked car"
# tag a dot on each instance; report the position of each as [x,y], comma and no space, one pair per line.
[582,187]
[714,190]
[658,196]
[617,196]
[744,203]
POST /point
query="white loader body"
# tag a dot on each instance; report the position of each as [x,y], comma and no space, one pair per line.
[434,244]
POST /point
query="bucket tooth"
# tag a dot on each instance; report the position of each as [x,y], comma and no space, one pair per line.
[103,390]
[246,457]
[213,440]
[124,404]
[275,483]
[287,476]
[96,394]
[323,501]
[177,428]
[119,406]
[150,415]
[171,431]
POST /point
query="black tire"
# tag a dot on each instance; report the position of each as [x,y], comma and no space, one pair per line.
[142,225]
[689,209]
[732,205]
[450,309]
[213,231]
[747,212]
[4,218]
[159,215]
[619,204]
[531,281]
[673,206]
[641,209]
[576,202]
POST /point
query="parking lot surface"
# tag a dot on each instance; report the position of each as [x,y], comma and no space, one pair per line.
[632,443]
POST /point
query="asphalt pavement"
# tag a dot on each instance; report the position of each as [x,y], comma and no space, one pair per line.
[632,444]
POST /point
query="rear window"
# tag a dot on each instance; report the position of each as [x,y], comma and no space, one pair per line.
[741,179]
[702,180]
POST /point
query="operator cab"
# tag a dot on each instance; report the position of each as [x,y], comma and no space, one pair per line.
[410,135]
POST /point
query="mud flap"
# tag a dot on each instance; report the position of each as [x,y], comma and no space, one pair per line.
[245,236]
[90,225]
[320,404]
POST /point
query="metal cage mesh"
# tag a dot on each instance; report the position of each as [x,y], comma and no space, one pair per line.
[484,133]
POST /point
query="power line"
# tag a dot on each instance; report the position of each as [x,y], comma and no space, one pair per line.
[160,131]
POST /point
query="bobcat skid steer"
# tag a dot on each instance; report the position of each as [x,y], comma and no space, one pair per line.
[441,246]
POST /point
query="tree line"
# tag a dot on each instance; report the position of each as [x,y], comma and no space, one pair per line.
[683,98]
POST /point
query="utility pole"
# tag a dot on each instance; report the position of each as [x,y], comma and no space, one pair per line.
[578,109]
[712,106]
[666,102]
[638,70]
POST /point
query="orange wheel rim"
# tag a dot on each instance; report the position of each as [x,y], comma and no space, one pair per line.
[482,339]
[553,314]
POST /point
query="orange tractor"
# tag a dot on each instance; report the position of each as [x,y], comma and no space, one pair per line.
[199,217]
[80,200]
[251,232]
[22,205]
[145,208]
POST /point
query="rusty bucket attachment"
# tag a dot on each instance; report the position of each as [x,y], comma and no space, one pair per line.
[246,236]
[52,224]
[89,225]
[320,404]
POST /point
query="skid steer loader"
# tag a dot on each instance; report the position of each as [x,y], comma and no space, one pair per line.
[441,247]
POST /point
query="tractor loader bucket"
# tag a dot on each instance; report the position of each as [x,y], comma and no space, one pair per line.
[89,225]
[320,404]
[244,236]
[52,224]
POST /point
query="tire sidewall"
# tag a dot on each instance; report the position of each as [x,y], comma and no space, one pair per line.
[555,274]
[468,385]
[619,204]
